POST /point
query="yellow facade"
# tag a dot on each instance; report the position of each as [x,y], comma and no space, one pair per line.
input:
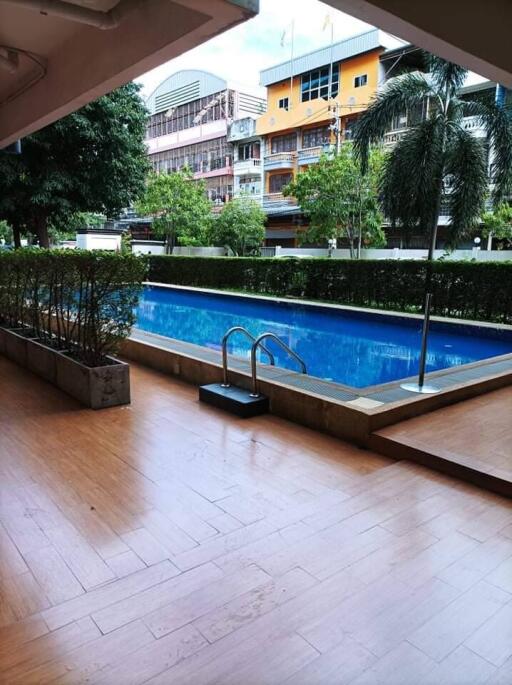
[301,114]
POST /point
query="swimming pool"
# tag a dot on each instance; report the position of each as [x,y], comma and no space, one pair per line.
[357,349]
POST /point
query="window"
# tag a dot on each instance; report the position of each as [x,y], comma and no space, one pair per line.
[315,84]
[287,143]
[278,181]
[283,103]
[248,151]
[360,80]
[313,137]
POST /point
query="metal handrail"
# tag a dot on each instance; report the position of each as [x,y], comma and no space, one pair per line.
[258,343]
[227,335]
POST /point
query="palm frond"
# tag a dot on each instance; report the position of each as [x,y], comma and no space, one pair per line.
[447,76]
[398,95]
[412,176]
[467,171]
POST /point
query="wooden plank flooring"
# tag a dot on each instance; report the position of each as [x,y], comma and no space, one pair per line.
[168,543]
[468,438]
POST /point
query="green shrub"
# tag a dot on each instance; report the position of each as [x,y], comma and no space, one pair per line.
[467,290]
[75,300]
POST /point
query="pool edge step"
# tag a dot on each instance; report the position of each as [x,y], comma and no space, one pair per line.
[431,458]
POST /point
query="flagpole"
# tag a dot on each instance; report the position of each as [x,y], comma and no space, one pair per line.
[291,65]
[330,67]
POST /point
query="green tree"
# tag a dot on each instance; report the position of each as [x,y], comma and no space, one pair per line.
[240,226]
[179,206]
[498,223]
[436,158]
[93,160]
[5,232]
[340,201]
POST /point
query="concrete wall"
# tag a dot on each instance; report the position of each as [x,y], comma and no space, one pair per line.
[199,251]
[148,247]
[98,241]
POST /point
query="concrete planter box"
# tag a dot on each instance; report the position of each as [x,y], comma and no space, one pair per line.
[42,360]
[103,386]
[15,345]
[97,388]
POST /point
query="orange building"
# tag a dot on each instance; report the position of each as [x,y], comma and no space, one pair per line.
[313,101]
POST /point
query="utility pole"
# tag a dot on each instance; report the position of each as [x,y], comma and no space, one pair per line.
[336,124]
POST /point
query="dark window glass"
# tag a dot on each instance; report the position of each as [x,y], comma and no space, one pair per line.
[283,103]
[287,143]
[315,84]
[278,181]
[316,136]
[360,80]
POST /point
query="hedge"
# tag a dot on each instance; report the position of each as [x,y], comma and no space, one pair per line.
[73,300]
[468,290]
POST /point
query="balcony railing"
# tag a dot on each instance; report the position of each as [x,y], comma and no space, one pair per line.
[247,166]
[276,200]
[280,160]
[392,137]
[310,155]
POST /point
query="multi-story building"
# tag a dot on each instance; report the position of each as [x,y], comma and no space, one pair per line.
[247,162]
[313,102]
[190,113]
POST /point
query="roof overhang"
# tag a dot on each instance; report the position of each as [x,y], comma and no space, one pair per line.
[473,33]
[56,56]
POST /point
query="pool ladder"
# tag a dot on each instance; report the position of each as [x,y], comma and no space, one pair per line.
[257,343]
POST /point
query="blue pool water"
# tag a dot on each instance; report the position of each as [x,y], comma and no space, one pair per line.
[339,345]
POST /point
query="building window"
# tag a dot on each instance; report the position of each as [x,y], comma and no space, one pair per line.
[287,143]
[315,84]
[278,181]
[248,151]
[283,103]
[313,137]
[360,80]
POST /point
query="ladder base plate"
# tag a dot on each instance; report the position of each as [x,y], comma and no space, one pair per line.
[236,400]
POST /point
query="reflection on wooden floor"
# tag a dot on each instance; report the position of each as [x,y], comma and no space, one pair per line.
[167,542]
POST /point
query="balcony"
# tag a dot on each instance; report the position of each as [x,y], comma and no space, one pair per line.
[277,203]
[310,155]
[392,137]
[280,160]
[247,167]
[474,126]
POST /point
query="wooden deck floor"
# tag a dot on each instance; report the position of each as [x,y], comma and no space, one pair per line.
[475,434]
[168,543]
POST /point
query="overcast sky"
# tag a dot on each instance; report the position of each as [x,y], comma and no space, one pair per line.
[239,54]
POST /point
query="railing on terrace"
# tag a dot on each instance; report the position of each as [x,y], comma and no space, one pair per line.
[392,137]
[252,162]
[311,153]
[281,159]
[277,199]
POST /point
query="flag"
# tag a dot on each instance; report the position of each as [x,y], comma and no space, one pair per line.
[283,38]
[327,22]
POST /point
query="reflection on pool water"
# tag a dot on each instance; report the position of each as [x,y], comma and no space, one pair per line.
[339,345]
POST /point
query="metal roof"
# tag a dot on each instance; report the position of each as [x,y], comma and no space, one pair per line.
[343,49]
[182,87]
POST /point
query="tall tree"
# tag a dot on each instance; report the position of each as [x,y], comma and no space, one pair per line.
[339,201]
[179,206]
[93,160]
[437,158]
[240,226]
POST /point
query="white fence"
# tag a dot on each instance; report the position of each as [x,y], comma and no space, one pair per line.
[393,253]
[158,247]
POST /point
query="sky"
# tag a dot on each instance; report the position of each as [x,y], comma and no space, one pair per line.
[239,54]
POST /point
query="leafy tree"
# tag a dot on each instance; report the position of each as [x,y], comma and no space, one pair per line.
[436,158]
[5,232]
[179,206]
[340,201]
[498,223]
[93,160]
[240,226]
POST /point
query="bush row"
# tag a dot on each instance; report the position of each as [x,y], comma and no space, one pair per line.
[467,290]
[75,300]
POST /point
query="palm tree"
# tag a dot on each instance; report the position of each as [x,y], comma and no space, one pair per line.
[437,159]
